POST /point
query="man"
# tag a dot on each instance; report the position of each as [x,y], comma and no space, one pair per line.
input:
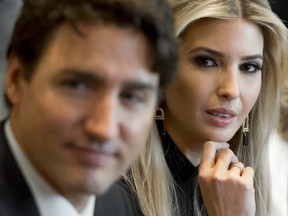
[82,83]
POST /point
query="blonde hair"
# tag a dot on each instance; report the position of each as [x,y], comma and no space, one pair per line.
[151,178]
[283,122]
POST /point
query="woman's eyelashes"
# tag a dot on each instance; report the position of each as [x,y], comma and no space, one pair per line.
[250,67]
[205,61]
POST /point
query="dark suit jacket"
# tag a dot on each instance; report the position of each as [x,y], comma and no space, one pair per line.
[16,198]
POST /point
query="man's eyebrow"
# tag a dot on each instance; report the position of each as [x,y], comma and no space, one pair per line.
[82,74]
[91,76]
[206,49]
[140,85]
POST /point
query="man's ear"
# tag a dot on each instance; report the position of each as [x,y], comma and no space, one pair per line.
[14,79]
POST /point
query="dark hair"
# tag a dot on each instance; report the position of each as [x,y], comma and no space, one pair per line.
[39,19]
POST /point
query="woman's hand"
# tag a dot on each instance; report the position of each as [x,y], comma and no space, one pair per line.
[226,185]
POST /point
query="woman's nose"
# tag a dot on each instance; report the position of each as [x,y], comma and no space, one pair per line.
[229,84]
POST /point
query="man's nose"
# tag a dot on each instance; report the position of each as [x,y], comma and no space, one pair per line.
[102,121]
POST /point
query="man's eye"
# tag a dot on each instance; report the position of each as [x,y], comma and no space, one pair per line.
[75,84]
[204,61]
[75,87]
[133,97]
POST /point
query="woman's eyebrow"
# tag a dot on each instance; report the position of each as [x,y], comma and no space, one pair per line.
[251,57]
[220,54]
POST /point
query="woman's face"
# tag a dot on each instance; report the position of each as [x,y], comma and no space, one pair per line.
[218,82]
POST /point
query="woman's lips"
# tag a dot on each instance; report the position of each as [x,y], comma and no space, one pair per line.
[221,117]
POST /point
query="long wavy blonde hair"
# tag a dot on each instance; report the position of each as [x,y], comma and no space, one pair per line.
[283,122]
[150,176]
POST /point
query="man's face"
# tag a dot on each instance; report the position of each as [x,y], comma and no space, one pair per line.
[85,115]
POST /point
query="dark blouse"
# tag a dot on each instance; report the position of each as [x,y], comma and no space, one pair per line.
[183,172]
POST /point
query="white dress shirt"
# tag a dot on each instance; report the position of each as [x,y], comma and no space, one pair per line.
[49,201]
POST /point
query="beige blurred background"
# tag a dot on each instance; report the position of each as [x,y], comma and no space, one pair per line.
[8,13]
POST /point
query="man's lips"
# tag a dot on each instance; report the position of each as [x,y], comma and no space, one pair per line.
[94,155]
[94,146]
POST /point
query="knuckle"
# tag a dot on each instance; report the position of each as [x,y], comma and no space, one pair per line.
[229,151]
[218,178]
[209,144]
[202,176]
[250,170]
[247,186]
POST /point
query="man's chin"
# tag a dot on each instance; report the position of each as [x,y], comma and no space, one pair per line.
[102,185]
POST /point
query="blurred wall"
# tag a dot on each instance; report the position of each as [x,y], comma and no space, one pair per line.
[8,13]
[280,7]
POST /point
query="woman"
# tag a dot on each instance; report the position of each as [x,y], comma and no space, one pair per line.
[232,56]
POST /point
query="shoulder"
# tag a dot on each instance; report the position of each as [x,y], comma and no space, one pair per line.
[15,195]
[117,201]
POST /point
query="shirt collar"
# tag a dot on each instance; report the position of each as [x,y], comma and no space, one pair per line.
[49,201]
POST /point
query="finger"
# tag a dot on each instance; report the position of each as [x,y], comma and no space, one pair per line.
[225,159]
[217,154]
[209,153]
[248,172]
[236,168]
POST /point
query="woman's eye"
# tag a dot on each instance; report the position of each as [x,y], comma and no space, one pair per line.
[250,68]
[204,61]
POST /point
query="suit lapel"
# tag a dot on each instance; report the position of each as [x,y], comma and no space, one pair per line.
[15,196]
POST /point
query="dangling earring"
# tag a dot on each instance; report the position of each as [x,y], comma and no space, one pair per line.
[245,131]
[160,117]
